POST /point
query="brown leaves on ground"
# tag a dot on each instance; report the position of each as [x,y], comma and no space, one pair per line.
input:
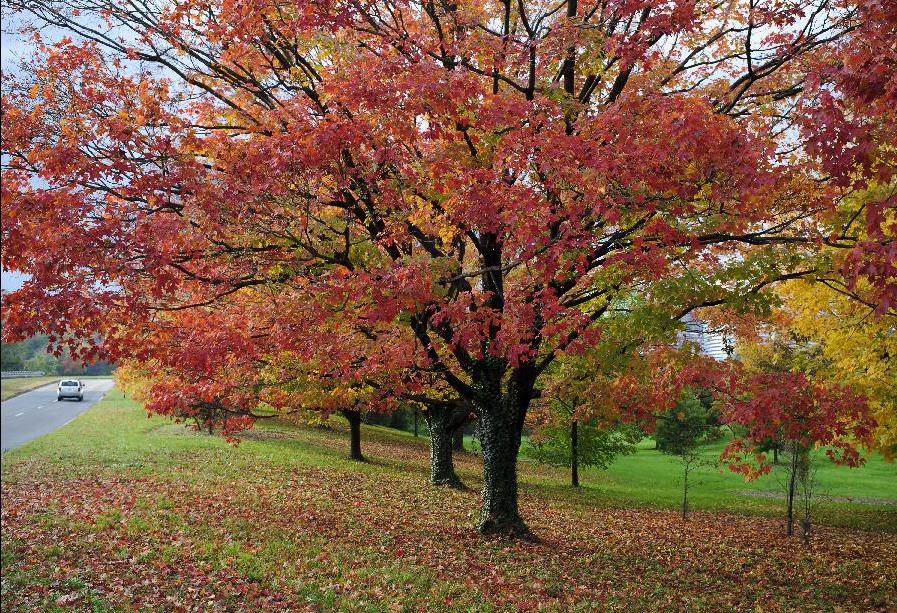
[315,538]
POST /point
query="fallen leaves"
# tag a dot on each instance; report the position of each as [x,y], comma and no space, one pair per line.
[316,538]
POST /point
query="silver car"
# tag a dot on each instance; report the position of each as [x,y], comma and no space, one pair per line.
[70,388]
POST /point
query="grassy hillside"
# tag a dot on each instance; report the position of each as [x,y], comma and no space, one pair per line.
[117,510]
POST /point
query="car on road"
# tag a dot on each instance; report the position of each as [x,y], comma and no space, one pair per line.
[70,388]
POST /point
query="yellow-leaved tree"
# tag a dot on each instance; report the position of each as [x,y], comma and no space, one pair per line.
[849,344]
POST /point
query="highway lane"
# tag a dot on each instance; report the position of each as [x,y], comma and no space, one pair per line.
[37,412]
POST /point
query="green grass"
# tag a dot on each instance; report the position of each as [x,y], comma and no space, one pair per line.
[118,435]
[863,497]
[860,497]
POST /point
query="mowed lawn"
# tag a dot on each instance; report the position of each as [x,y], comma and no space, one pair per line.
[19,385]
[864,497]
[117,511]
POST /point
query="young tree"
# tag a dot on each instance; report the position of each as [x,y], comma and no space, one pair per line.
[476,184]
[797,477]
[564,440]
[807,492]
[680,433]
[689,421]
[805,414]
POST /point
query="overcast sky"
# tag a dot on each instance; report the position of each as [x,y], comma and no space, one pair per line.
[12,49]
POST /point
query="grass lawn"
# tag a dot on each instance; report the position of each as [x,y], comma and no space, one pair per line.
[864,497]
[120,511]
[14,387]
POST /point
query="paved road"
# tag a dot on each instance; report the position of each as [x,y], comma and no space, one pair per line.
[37,412]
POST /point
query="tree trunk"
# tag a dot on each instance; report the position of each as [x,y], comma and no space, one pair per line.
[685,494]
[354,419]
[574,454]
[442,468]
[500,437]
[415,422]
[458,439]
[775,453]
[789,528]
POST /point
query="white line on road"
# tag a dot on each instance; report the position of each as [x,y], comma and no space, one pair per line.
[19,414]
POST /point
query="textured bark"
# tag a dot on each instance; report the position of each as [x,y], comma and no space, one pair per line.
[500,429]
[354,419]
[500,445]
[442,467]
[458,438]
[574,454]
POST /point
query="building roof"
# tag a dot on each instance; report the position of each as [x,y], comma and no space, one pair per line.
[710,342]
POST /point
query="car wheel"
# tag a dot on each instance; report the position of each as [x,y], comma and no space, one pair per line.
[58,398]
[80,398]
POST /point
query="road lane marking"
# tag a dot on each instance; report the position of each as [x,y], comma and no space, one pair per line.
[19,414]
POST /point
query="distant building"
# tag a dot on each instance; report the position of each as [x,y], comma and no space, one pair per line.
[711,343]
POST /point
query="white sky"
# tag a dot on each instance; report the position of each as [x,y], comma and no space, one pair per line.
[12,49]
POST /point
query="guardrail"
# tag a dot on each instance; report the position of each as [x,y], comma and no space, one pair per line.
[18,374]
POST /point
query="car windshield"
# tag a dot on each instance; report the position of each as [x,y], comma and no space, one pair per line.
[69,383]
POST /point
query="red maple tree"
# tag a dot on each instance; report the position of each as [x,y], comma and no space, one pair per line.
[407,196]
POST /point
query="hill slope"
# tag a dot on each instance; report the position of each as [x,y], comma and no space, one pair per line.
[119,511]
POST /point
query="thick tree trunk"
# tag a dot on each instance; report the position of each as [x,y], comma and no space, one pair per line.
[442,467]
[500,434]
[458,439]
[354,419]
[574,454]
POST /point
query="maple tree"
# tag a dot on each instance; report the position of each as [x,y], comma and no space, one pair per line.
[850,125]
[784,405]
[575,422]
[766,398]
[389,193]
[831,326]
[844,341]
